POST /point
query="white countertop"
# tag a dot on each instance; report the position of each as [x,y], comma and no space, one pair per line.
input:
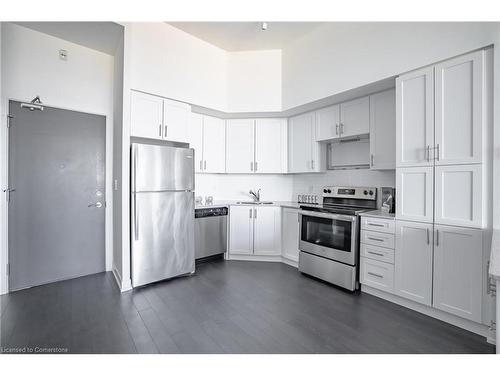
[495,255]
[227,203]
[378,213]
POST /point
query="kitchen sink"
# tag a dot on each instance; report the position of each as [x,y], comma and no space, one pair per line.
[256,203]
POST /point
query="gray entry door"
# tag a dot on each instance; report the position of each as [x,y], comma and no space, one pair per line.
[57,168]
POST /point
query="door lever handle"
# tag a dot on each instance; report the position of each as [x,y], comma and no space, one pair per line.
[8,191]
[96,205]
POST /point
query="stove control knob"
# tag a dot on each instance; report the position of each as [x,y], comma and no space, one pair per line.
[325,191]
[365,192]
[371,192]
[329,191]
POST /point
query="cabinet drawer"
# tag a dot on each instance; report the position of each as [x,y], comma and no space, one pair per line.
[377,239]
[377,253]
[378,225]
[377,274]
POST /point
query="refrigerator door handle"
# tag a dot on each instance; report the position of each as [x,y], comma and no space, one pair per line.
[136,219]
[134,172]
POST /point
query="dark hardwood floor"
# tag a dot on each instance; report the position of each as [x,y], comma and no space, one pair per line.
[226,307]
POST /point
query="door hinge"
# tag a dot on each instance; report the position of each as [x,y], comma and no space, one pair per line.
[493,325]
[9,122]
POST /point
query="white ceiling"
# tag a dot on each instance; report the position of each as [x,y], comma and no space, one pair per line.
[246,36]
[101,36]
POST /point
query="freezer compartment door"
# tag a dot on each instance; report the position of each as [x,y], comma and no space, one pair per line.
[162,236]
[160,168]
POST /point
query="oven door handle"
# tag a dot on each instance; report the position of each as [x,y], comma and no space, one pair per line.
[327,216]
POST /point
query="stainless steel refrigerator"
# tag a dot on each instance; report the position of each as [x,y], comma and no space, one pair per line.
[162,212]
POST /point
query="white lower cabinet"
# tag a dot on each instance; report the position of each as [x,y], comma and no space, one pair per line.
[413,261]
[290,234]
[458,271]
[254,230]
[377,274]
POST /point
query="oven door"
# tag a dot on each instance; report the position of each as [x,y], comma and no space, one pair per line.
[328,235]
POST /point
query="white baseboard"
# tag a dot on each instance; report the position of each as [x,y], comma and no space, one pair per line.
[290,262]
[255,258]
[123,286]
[480,329]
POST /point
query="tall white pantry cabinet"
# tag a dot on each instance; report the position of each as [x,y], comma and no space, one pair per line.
[443,179]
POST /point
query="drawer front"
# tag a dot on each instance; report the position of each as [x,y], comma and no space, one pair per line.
[382,254]
[377,239]
[377,274]
[378,225]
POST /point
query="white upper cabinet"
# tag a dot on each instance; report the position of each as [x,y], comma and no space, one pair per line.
[195,134]
[290,233]
[415,118]
[328,123]
[413,261]
[302,147]
[414,198]
[158,118]
[458,271]
[146,115]
[214,145]
[383,130]
[459,112]
[176,121]
[458,195]
[267,230]
[270,146]
[240,146]
[241,230]
[355,117]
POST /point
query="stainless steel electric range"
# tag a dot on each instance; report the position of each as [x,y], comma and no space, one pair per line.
[329,234]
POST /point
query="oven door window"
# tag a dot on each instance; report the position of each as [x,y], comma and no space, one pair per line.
[331,233]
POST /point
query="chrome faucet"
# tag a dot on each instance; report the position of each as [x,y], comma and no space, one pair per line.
[255,195]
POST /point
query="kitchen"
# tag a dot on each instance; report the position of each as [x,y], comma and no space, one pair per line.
[291,188]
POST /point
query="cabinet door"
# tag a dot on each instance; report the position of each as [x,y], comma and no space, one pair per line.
[415,118]
[459,109]
[413,261]
[458,197]
[290,234]
[327,123]
[300,143]
[458,271]
[270,146]
[146,113]
[240,146]
[355,117]
[414,198]
[267,230]
[214,145]
[241,230]
[196,139]
[176,121]
[383,130]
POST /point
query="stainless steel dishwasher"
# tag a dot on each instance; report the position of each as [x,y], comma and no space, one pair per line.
[210,231]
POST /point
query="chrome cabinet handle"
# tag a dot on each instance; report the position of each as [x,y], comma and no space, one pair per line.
[250,213]
[371,160]
[205,165]
[255,164]
[374,253]
[201,165]
[251,166]
[427,230]
[165,132]
[375,239]
[159,130]
[341,128]
[376,225]
[255,213]
[336,129]
[437,149]
[96,205]
[375,274]
[312,165]
[136,219]
[437,237]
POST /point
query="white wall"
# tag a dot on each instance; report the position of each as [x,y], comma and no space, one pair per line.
[30,67]
[169,62]
[340,56]
[254,81]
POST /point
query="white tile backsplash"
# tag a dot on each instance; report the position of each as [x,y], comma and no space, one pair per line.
[287,187]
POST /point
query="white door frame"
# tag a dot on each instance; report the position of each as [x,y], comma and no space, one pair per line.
[108,212]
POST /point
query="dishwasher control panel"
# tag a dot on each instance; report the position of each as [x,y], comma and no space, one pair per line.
[209,212]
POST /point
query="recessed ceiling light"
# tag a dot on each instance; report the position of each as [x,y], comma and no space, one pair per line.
[263,26]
